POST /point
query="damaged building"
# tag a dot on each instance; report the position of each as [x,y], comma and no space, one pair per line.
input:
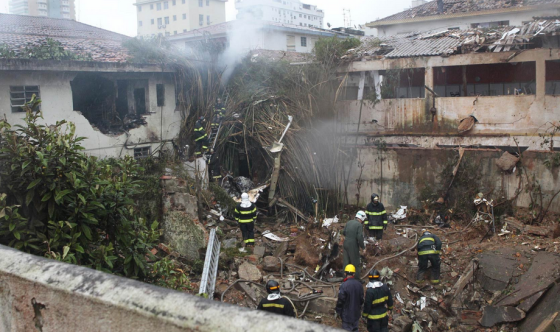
[460,15]
[412,101]
[120,107]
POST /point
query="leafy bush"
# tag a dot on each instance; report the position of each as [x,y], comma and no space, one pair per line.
[69,206]
[330,50]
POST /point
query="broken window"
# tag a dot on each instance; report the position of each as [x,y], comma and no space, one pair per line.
[403,83]
[160,90]
[20,95]
[500,79]
[553,77]
[143,152]
[108,104]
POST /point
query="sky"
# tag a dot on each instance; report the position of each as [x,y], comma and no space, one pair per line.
[120,15]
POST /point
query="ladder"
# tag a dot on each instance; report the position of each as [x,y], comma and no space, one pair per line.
[210,271]
[213,138]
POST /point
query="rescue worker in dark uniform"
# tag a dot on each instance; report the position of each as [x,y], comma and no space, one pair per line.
[200,137]
[378,300]
[350,300]
[214,166]
[245,215]
[377,218]
[429,249]
[219,113]
[275,302]
[353,241]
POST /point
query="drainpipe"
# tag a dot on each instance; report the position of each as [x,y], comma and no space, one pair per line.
[433,110]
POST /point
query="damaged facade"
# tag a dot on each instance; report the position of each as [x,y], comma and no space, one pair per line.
[121,108]
[410,100]
[452,14]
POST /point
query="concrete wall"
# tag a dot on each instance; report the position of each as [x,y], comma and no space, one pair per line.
[37,294]
[514,18]
[402,175]
[56,95]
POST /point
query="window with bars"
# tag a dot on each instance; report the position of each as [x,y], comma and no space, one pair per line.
[20,95]
[143,152]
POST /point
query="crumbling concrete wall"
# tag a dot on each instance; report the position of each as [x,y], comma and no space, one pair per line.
[38,294]
[401,176]
[408,121]
[182,229]
[163,123]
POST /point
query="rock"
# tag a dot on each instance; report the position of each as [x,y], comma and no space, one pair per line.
[259,251]
[184,234]
[281,249]
[539,230]
[249,272]
[493,315]
[404,322]
[540,276]
[271,264]
[253,259]
[306,254]
[229,243]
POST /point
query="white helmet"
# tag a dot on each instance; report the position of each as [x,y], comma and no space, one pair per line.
[361,215]
[244,196]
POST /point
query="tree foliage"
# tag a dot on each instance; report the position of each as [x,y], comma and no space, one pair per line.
[65,205]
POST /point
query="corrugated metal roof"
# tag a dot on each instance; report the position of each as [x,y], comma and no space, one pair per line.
[427,47]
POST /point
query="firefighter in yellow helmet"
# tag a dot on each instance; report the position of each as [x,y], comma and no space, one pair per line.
[350,300]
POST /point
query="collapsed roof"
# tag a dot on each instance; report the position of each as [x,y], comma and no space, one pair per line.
[540,33]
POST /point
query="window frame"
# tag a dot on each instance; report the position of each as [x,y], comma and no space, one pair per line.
[303,41]
[26,98]
[160,94]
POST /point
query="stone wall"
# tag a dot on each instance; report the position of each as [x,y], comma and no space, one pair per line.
[38,294]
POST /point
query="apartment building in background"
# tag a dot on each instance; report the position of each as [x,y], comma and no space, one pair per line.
[45,8]
[281,11]
[171,17]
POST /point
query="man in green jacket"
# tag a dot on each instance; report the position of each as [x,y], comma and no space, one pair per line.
[353,241]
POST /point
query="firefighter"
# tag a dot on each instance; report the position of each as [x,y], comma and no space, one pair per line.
[200,137]
[377,218]
[246,215]
[275,302]
[219,113]
[378,301]
[429,249]
[353,241]
[214,166]
[350,300]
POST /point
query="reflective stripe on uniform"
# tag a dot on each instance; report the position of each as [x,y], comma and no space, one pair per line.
[385,222]
[381,300]
[427,239]
[273,305]
[376,213]
[383,315]
[245,220]
[435,281]
[428,252]
[375,227]
[249,240]
[246,212]
[201,137]
[390,308]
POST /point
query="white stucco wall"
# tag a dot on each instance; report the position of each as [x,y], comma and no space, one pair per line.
[514,18]
[57,104]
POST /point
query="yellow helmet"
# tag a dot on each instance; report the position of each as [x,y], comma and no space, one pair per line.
[350,268]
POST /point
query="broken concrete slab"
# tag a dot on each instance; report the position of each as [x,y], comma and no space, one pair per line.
[248,271]
[271,264]
[496,270]
[259,251]
[281,249]
[528,303]
[545,309]
[229,243]
[541,275]
[539,230]
[492,315]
